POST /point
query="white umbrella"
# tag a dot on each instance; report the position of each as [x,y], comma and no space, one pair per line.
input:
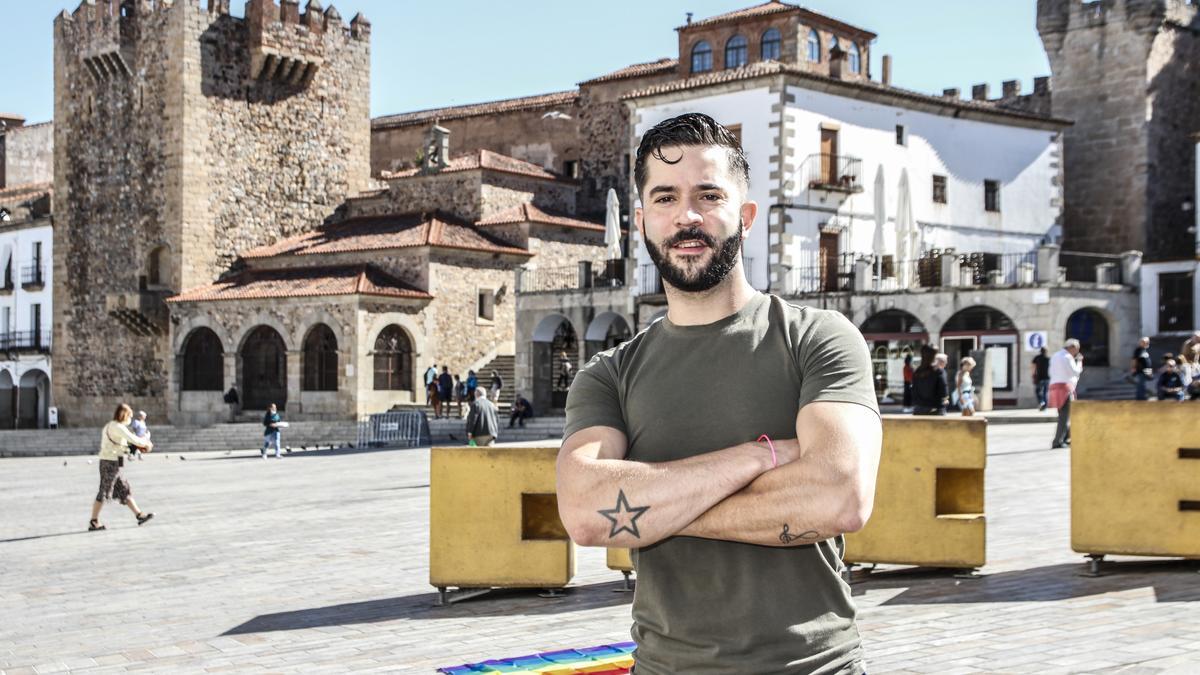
[906,232]
[879,243]
[612,225]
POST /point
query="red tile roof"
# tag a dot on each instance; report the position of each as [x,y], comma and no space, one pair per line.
[775,7]
[25,192]
[376,233]
[482,159]
[304,282]
[636,70]
[528,213]
[422,117]
[765,68]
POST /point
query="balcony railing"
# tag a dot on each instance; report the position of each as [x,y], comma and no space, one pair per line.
[33,275]
[1096,268]
[583,275]
[835,173]
[25,340]
[648,280]
[825,274]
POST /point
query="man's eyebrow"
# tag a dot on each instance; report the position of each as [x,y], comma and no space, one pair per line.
[661,188]
[705,187]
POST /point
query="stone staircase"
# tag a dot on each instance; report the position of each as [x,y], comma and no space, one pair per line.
[453,431]
[1113,390]
[169,439]
[506,366]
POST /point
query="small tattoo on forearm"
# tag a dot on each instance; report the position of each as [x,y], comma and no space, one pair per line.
[787,537]
[623,516]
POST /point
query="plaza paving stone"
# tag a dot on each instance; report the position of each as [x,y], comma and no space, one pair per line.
[318,563]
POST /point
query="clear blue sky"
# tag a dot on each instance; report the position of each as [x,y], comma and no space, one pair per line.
[431,54]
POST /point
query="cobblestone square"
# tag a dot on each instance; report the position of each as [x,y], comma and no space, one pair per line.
[318,562]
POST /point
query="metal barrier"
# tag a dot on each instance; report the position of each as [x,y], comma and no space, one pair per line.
[400,428]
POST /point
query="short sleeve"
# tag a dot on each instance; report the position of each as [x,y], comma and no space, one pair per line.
[834,362]
[593,400]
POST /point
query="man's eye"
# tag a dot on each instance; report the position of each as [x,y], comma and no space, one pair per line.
[712,197]
[664,200]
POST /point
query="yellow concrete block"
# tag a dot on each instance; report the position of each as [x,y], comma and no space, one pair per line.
[1135,478]
[493,519]
[619,560]
[929,495]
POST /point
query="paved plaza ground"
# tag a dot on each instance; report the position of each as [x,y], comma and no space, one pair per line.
[318,562]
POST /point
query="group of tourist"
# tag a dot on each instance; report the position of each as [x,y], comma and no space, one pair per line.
[445,389]
[1177,378]
[927,390]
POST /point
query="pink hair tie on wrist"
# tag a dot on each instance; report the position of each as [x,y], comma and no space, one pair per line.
[774,459]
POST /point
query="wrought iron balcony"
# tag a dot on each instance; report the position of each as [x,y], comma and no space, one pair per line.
[26,341]
[33,276]
[834,173]
[584,275]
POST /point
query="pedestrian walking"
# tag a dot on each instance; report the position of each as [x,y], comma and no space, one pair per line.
[115,441]
[1041,377]
[908,383]
[497,385]
[964,387]
[231,398]
[472,383]
[445,384]
[482,424]
[930,391]
[1141,369]
[1065,368]
[431,390]
[522,410]
[138,426]
[1170,383]
[272,426]
[460,395]
[565,368]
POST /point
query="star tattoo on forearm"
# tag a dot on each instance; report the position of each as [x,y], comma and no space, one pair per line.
[787,537]
[623,516]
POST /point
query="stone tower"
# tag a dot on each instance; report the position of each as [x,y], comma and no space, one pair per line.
[182,136]
[1126,71]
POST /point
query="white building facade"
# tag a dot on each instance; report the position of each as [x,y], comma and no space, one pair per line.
[26,284]
[924,219]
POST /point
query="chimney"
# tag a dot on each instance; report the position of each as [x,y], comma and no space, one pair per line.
[979,92]
[837,62]
[689,18]
[887,70]
[950,93]
[1011,88]
[1041,85]
[436,155]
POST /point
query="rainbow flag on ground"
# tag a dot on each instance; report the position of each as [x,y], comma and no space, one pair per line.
[603,660]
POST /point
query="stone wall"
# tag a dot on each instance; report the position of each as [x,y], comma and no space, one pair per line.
[461,337]
[501,192]
[1125,73]
[560,247]
[549,142]
[27,155]
[163,139]
[409,264]
[455,193]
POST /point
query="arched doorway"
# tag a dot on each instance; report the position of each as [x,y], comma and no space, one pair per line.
[605,331]
[264,370]
[32,400]
[892,335]
[978,328]
[7,413]
[319,360]
[203,361]
[554,342]
[1091,329]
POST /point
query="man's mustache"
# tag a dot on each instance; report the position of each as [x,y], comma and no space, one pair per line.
[694,233]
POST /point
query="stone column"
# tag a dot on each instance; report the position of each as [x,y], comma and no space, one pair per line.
[1047,256]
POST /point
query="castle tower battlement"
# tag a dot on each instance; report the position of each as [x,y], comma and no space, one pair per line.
[1122,71]
[183,135]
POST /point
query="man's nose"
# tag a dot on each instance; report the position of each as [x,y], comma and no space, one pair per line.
[688,216]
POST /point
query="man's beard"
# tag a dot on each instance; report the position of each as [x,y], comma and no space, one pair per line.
[724,260]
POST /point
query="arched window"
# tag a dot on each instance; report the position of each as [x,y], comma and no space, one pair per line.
[1091,329]
[320,359]
[736,52]
[203,362]
[393,360]
[772,44]
[814,46]
[701,57]
[855,58]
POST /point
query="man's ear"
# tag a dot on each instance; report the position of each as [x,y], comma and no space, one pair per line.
[637,220]
[748,212]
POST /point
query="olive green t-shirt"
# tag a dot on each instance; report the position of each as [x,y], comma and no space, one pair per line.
[708,606]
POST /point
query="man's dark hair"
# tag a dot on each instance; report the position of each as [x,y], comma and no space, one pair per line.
[689,129]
